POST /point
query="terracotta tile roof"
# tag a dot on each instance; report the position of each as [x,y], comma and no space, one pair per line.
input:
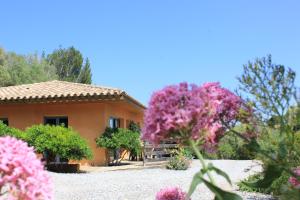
[60,90]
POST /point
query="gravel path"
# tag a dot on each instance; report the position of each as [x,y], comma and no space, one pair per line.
[143,184]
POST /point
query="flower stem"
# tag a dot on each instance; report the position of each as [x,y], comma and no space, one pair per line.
[201,159]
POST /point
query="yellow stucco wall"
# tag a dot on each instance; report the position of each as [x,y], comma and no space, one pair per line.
[88,118]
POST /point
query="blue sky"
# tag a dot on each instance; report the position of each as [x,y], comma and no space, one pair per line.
[141,46]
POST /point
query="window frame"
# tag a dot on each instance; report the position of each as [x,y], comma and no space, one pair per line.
[5,120]
[57,119]
[115,119]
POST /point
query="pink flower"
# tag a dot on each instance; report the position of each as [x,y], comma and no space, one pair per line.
[293,180]
[190,112]
[22,173]
[171,193]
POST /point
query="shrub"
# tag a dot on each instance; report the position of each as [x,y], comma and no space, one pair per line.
[226,151]
[8,131]
[134,127]
[134,155]
[270,141]
[253,178]
[276,188]
[291,190]
[178,163]
[232,147]
[180,160]
[128,140]
[58,141]
[120,139]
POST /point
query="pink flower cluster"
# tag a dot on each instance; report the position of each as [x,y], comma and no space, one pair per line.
[293,180]
[172,193]
[22,175]
[192,109]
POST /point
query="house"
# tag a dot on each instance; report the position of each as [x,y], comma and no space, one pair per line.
[88,109]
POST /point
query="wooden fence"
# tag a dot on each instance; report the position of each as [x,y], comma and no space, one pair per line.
[161,152]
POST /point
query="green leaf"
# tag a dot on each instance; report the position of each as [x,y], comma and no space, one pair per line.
[221,194]
[198,178]
[219,172]
[272,173]
[282,150]
[253,146]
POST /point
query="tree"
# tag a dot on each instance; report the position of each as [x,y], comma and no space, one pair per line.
[23,69]
[4,77]
[62,64]
[85,74]
[119,139]
[69,65]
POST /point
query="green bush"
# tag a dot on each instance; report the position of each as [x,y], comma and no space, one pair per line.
[58,141]
[134,127]
[253,178]
[274,142]
[180,160]
[226,151]
[120,139]
[232,148]
[275,189]
[270,141]
[128,140]
[289,193]
[106,140]
[8,131]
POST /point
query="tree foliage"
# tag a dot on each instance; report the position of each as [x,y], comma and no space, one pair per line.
[270,87]
[86,74]
[134,127]
[63,64]
[70,65]
[119,139]
[21,69]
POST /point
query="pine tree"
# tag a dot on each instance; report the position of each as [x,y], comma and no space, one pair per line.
[69,65]
[86,75]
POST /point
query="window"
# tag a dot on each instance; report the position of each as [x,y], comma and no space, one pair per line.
[4,120]
[56,121]
[114,122]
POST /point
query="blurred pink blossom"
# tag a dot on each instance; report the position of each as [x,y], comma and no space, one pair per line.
[190,112]
[171,193]
[293,180]
[22,173]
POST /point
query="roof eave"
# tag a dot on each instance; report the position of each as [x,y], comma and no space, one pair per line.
[92,98]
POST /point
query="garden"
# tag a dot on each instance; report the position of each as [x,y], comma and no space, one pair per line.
[258,125]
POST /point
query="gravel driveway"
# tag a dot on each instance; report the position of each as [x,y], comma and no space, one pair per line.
[143,184]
